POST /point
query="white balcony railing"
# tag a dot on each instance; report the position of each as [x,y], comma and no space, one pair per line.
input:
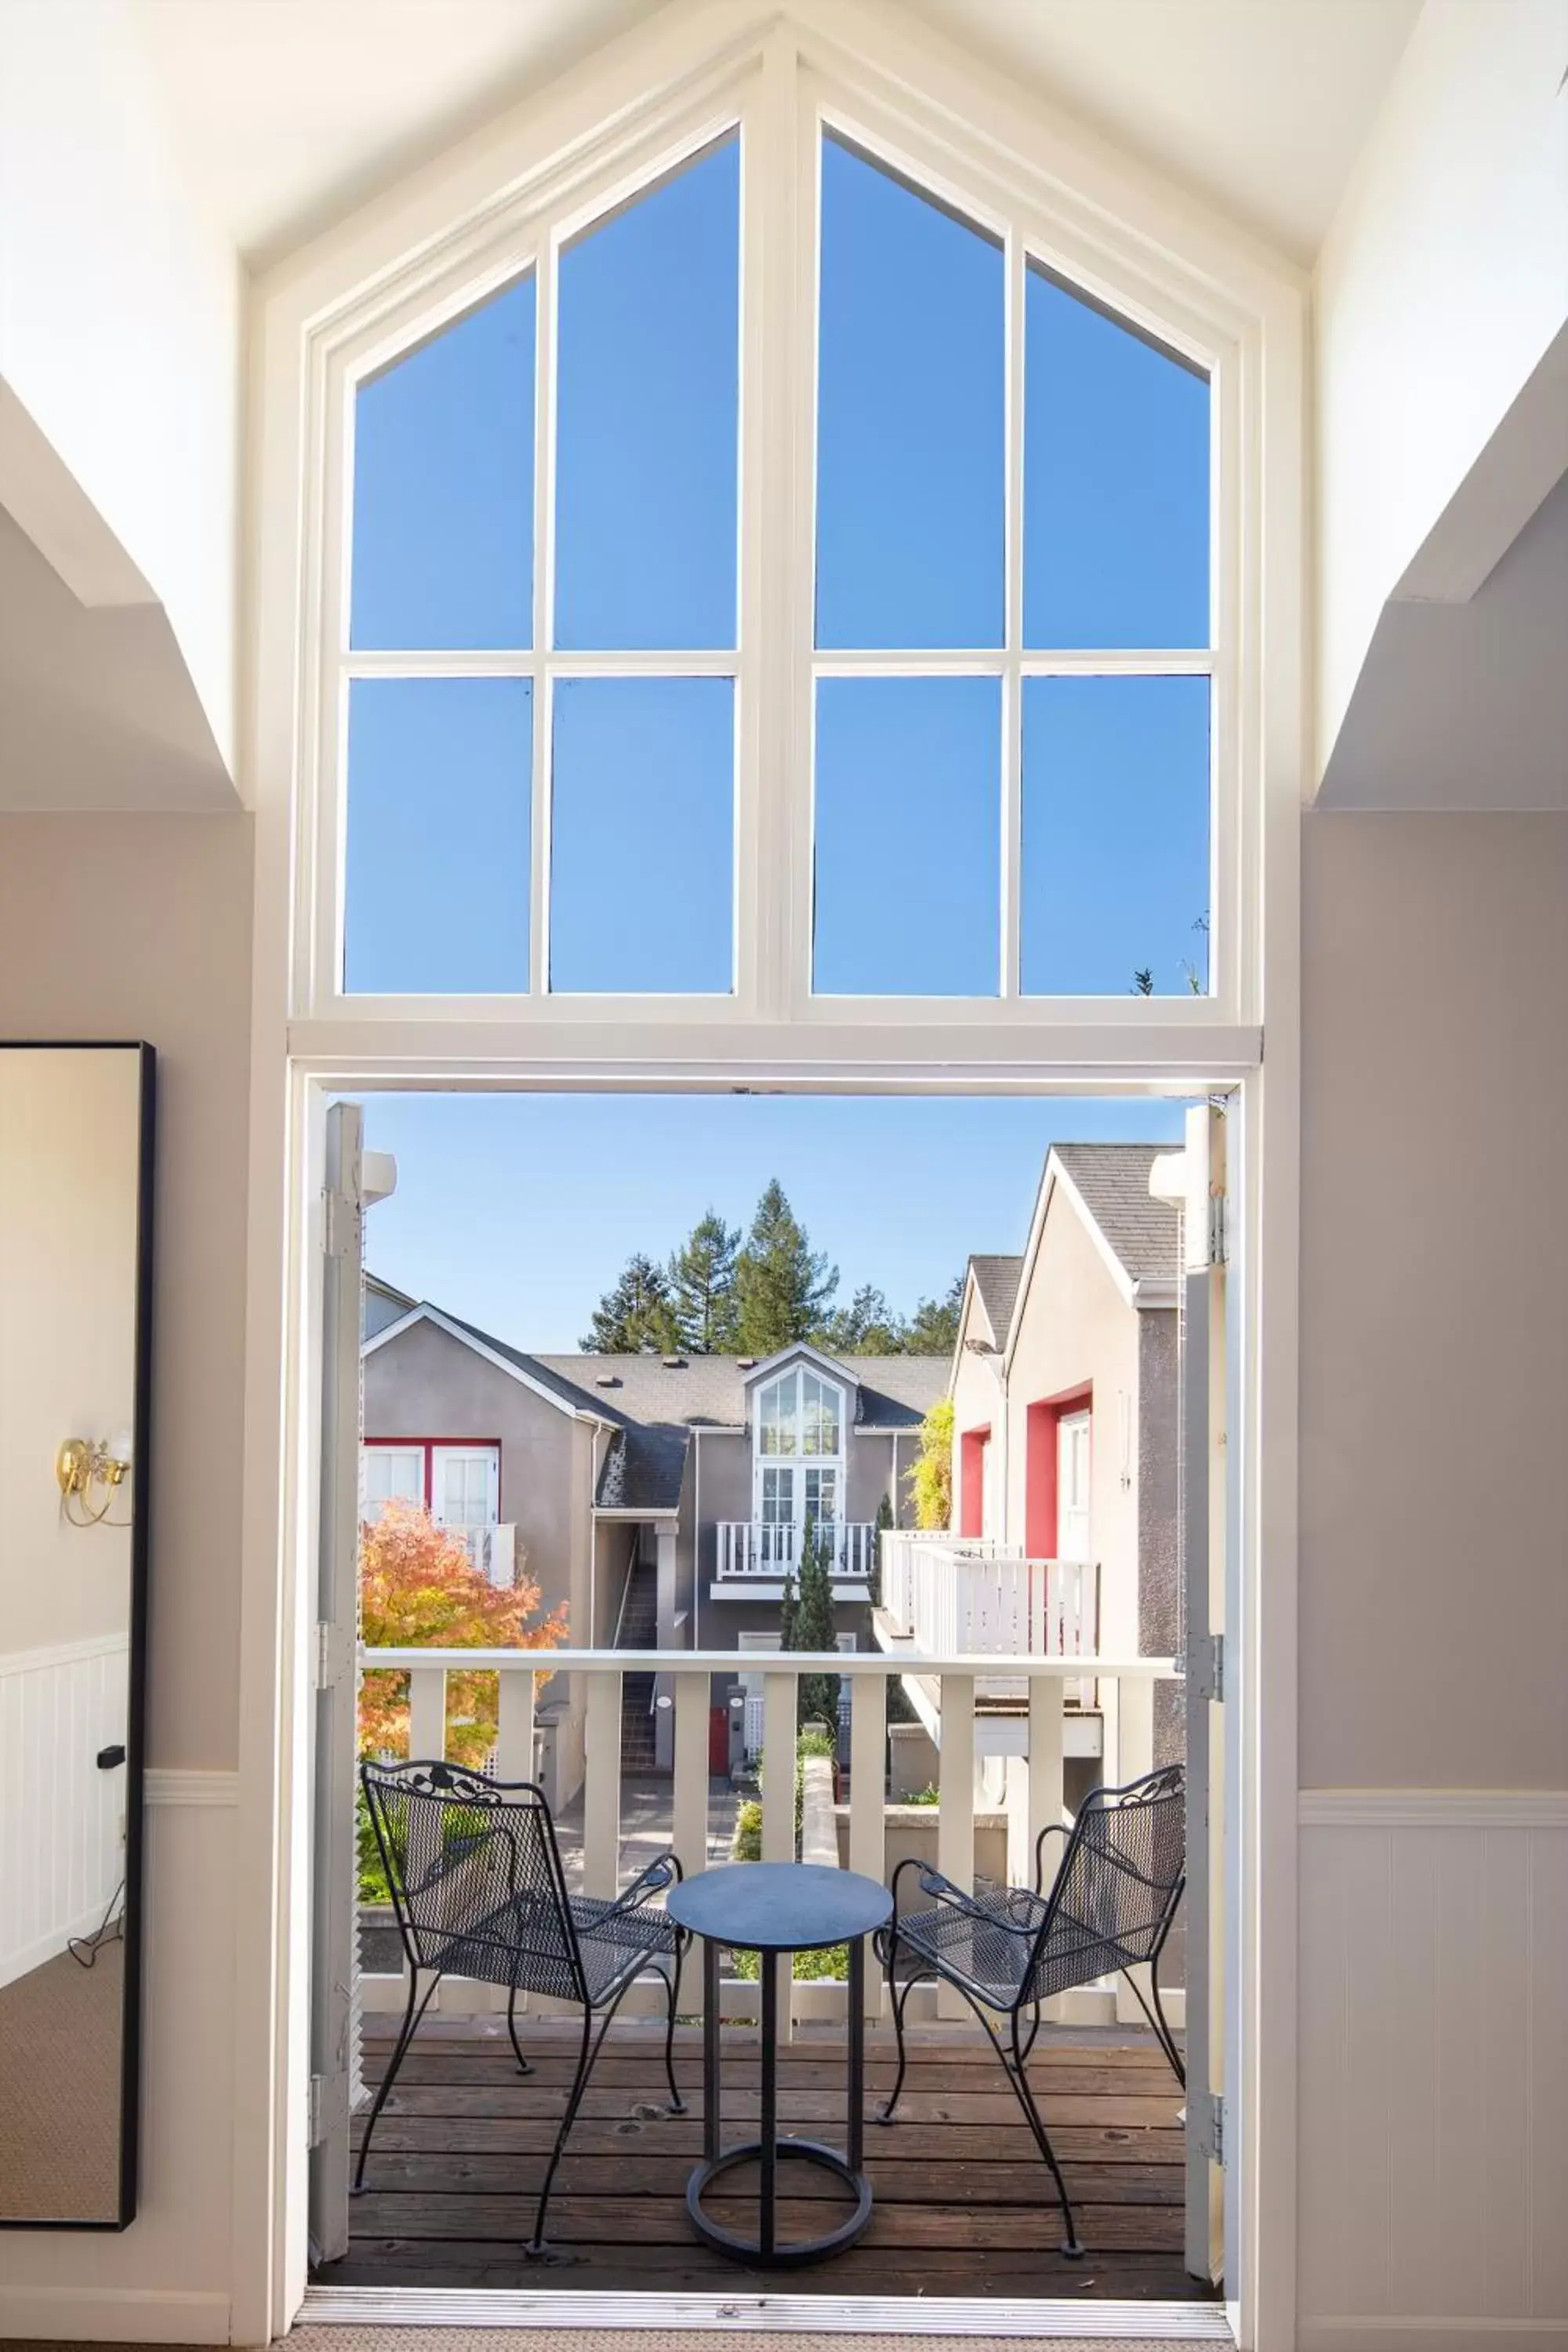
[492,1550]
[755,1547]
[1035,1796]
[945,1593]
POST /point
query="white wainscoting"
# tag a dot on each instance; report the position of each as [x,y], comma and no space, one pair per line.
[61,1819]
[1433,2070]
[167,2279]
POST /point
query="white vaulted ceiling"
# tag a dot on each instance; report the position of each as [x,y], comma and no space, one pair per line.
[291,111]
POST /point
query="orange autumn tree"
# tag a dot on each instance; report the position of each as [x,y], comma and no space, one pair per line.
[419,1590]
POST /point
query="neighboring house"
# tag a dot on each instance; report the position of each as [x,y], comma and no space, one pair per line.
[1065,1438]
[663,1499]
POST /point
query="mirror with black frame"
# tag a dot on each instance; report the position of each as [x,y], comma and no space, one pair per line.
[76,1186]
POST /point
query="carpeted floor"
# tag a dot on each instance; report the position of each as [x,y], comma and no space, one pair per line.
[59,2091]
[595,2339]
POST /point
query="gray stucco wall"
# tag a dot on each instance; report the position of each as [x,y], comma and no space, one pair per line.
[424,1384]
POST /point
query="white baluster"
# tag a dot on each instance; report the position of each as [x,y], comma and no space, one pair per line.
[778,1713]
[955,1811]
[1045,1763]
[514,1730]
[427,1714]
[868,1787]
[601,1785]
[688,1833]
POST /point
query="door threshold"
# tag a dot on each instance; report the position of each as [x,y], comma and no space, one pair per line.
[1046,2318]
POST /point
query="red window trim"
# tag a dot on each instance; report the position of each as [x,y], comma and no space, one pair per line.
[1042,1426]
[427,1447]
[971,1446]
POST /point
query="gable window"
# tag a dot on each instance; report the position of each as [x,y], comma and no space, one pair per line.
[771,528]
[542,654]
[799,1450]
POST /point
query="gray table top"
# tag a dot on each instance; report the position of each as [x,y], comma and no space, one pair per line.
[779,1907]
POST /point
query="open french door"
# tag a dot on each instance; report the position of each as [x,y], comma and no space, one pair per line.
[1206,1552]
[353,1178]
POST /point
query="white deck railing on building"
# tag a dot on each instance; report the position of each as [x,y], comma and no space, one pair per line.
[596,1686]
[492,1550]
[760,1549]
[946,1594]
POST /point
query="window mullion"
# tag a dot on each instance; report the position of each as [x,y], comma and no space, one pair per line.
[543,609]
[1011,928]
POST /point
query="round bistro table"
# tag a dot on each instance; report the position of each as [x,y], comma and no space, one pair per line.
[769,1908]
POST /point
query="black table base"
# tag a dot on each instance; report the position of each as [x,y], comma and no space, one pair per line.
[770,2151]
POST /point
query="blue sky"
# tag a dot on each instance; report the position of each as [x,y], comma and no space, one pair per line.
[911,506]
[518,1211]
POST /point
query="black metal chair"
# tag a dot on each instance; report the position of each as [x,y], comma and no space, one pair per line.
[478,1890]
[1006,1949]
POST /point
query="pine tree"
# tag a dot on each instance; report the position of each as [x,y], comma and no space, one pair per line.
[782,1285]
[932,1328]
[637,1316]
[810,1626]
[866,1327]
[702,1286]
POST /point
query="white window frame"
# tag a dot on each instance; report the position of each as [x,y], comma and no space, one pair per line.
[782,97]
[1070,1428]
[1115,226]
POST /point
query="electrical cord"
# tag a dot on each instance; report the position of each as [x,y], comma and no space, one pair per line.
[111,1928]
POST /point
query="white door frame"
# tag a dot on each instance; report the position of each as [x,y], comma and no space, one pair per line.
[273,1941]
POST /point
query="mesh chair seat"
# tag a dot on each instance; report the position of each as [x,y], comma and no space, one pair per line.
[520,1945]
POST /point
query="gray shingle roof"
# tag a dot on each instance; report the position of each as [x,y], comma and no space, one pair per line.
[643,1470]
[710,1391]
[996,1280]
[1113,1179]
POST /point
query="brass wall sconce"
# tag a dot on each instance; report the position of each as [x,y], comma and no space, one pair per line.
[88,1470]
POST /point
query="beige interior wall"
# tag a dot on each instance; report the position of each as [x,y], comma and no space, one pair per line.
[139,928]
[69,1128]
[1434,1560]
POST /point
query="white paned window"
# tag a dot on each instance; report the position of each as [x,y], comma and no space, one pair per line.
[779,581]
[799,1448]
[391,1474]
[1073,1529]
[464,1484]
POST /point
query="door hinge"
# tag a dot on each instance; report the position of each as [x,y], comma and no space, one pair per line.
[1219,1229]
[1205,1667]
[1205,2124]
[334,1655]
[328,2106]
[340,1225]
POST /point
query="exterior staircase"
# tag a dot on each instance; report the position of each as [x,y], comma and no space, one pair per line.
[638,1631]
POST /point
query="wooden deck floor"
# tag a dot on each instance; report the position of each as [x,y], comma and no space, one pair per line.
[963,2201]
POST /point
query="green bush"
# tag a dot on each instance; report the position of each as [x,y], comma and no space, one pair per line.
[833,1961]
[746,1845]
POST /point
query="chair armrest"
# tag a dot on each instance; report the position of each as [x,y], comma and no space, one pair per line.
[663,1871]
[943,1889]
[1052,1829]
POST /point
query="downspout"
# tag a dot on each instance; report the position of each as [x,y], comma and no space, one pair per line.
[697,1543]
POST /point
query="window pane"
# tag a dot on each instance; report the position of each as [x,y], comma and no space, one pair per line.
[908,836]
[642,827]
[1116,482]
[443,519]
[910,417]
[647,418]
[439,827]
[1116,835]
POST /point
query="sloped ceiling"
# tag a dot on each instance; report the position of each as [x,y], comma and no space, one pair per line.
[291,111]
